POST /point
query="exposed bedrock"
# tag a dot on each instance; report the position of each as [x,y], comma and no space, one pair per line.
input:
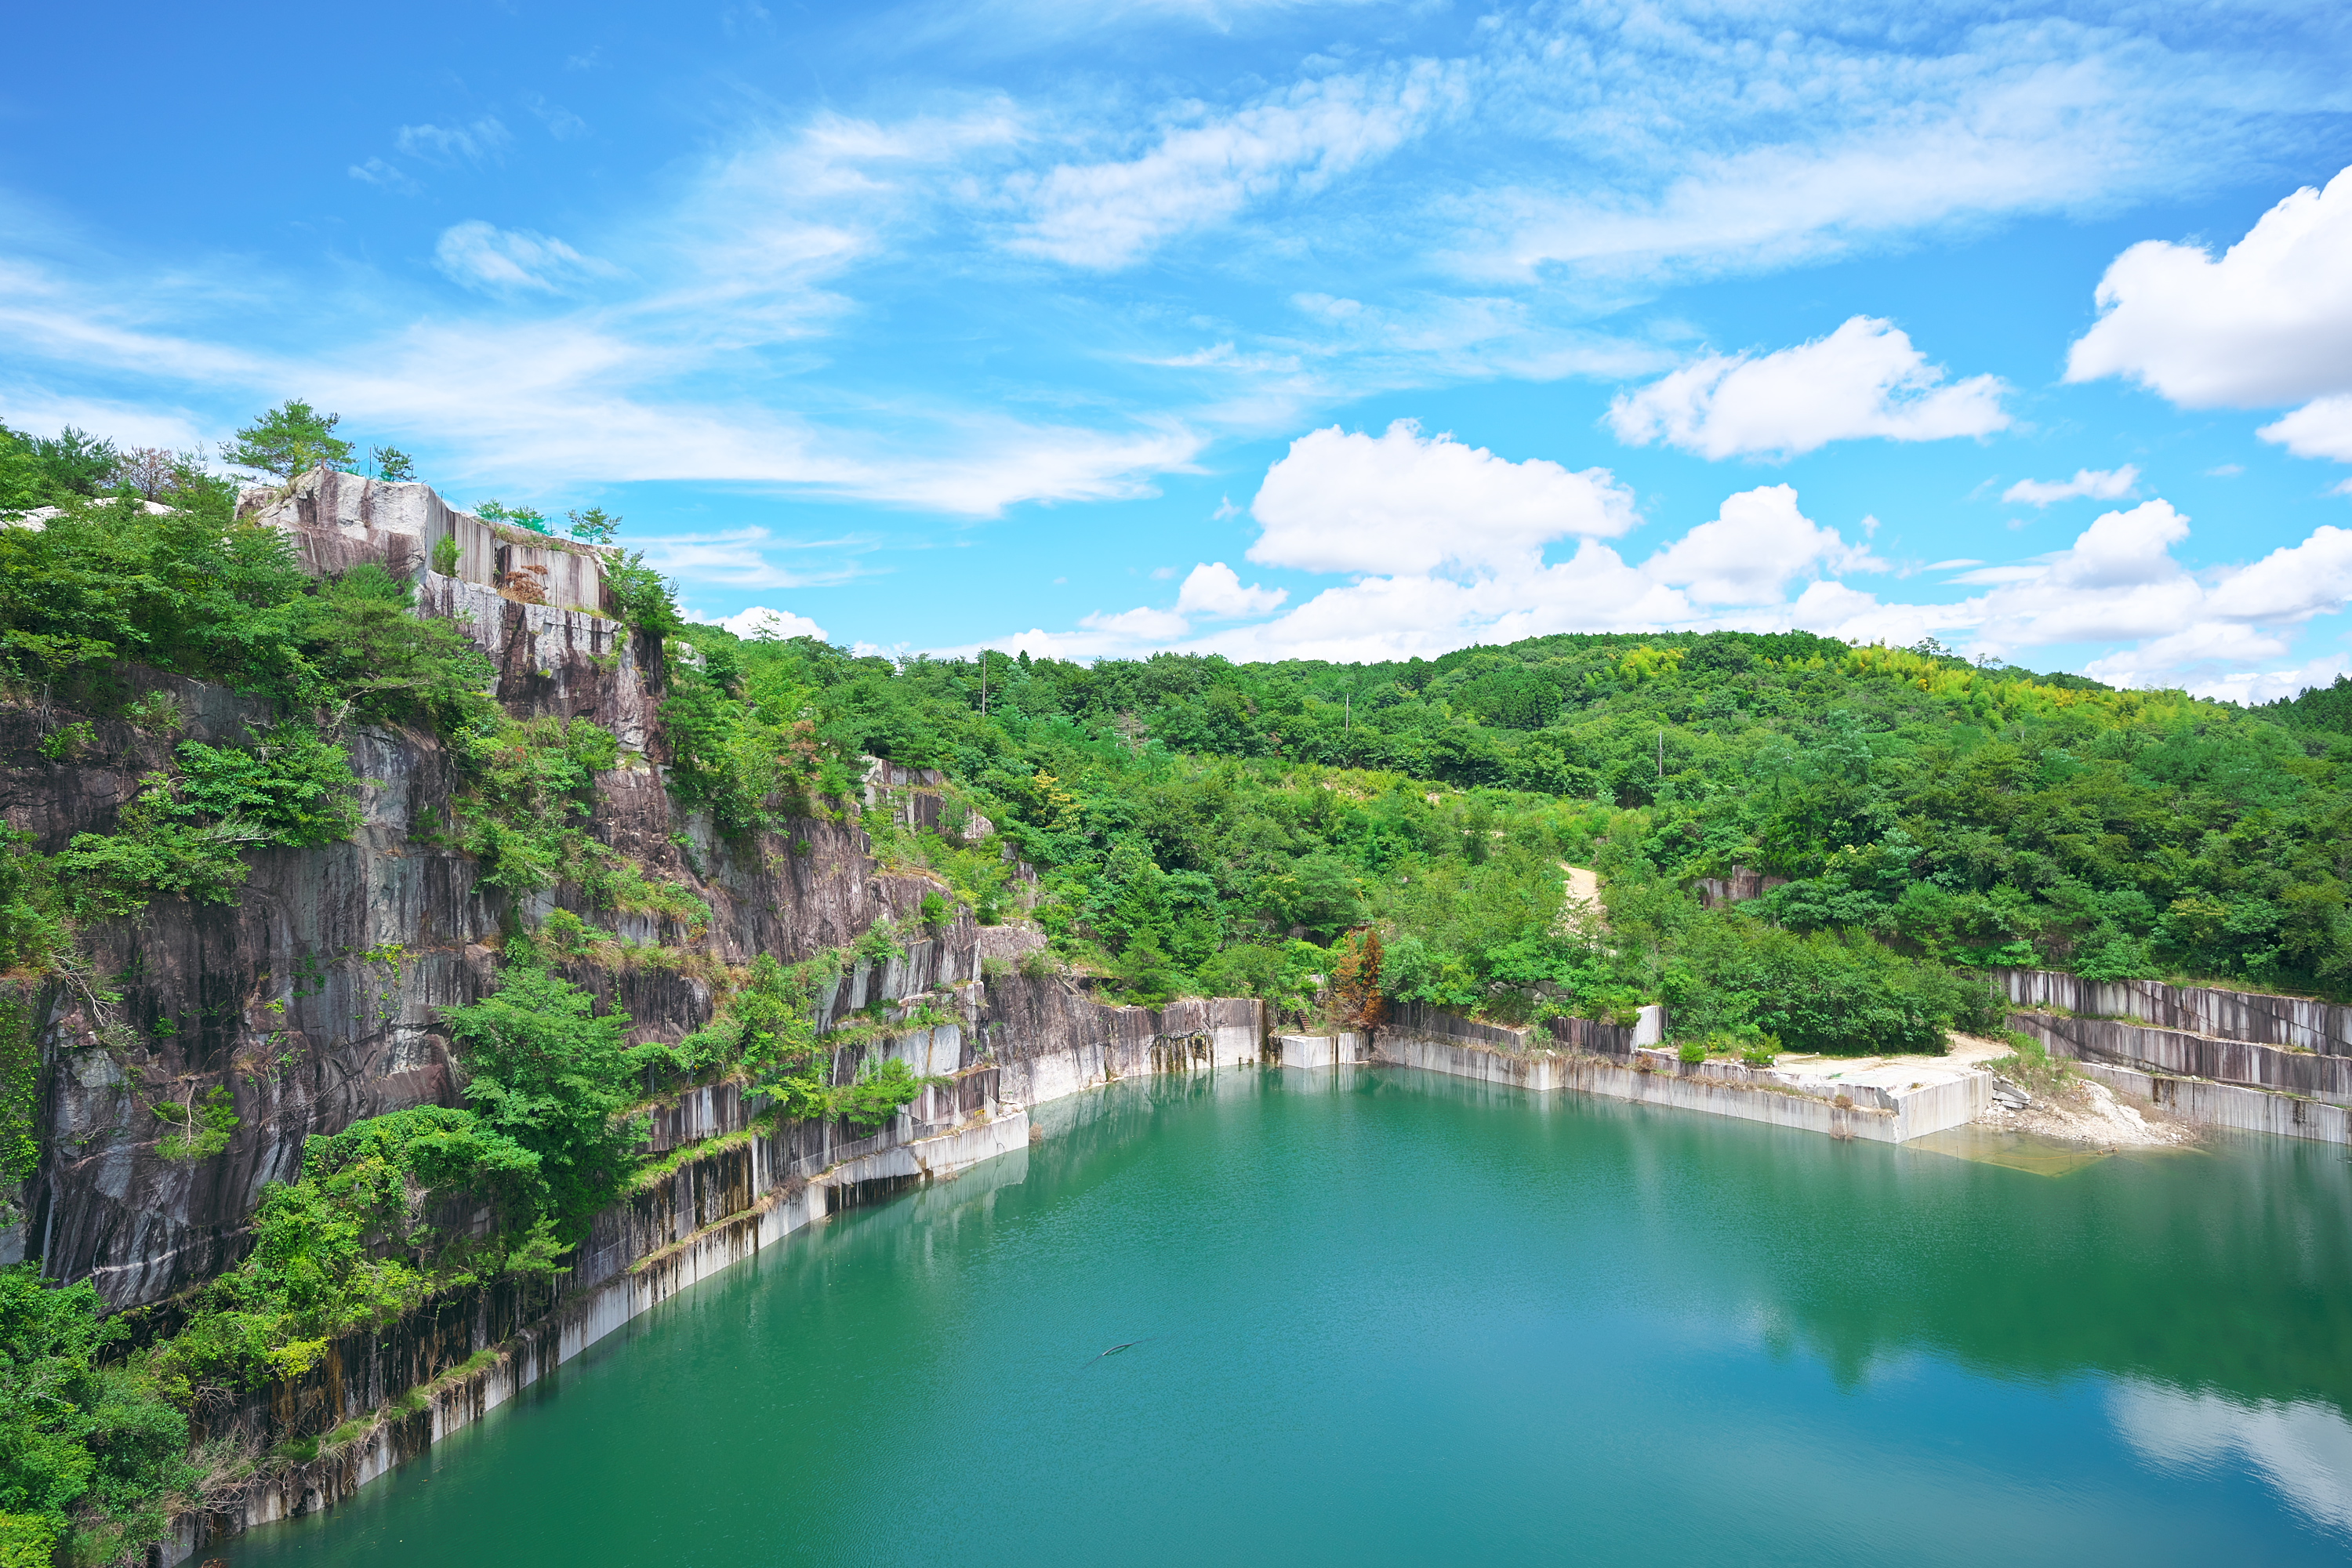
[317,998]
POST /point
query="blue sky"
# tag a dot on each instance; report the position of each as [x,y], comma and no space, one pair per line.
[1337,330]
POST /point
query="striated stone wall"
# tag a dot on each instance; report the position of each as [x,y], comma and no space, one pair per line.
[2324,1028]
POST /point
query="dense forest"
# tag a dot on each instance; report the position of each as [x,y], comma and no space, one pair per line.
[1319,836]
[1962,815]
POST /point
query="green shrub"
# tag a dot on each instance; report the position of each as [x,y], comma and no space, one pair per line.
[878,943]
[185,835]
[90,1448]
[69,741]
[545,1071]
[201,1128]
[1834,994]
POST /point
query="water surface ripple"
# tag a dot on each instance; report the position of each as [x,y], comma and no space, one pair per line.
[1383,1317]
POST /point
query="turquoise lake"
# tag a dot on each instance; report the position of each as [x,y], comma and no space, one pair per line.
[1384,1317]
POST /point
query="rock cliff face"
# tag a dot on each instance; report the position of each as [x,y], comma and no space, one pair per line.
[315,998]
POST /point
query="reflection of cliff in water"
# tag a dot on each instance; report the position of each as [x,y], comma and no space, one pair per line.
[2228,1270]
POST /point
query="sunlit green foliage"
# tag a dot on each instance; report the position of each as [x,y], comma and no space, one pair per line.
[545,1071]
[90,1452]
[289,439]
[1970,816]
[352,1242]
[185,833]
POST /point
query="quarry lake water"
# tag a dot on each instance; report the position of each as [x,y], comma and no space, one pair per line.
[1378,1316]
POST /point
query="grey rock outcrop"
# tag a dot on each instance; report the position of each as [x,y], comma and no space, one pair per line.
[317,997]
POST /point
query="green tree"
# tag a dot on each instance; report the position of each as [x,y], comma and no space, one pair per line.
[392,464]
[291,439]
[76,463]
[593,527]
[543,1070]
[92,1450]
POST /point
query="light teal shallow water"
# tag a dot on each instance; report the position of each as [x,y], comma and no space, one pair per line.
[1390,1318]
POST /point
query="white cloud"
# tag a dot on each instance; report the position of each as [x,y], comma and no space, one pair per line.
[124,424]
[2320,428]
[2252,686]
[592,397]
[1141,625]
[482,140]
[761,623]
[743,558]
[1717,150]
[1111,213]
[501,260]
[2292,582]
[2118,580]
[1863,380]
[376,171]
[1405,503]
[1746,556]
[2199,655]
[2302,1448]
[2223,633]
[2268,322]
[1215,590]
[2095,484]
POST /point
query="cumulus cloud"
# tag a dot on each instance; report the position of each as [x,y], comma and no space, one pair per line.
[1863,380]
[1756,544]
[2117,580]
[2120,582]
[1111,213]
[2292,582]
[2094,484]
[761,623]
[2320,428]
[1405,503]
[2268,322]
[1214,590]
[1141,625]
[1735,570]
[1761,564]
[506,260]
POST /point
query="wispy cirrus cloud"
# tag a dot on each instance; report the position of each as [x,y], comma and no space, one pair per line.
[1111,213]
[390,176]
[483,139]
[484,256]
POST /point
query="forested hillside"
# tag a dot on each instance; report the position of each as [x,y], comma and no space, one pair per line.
[1969,815]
